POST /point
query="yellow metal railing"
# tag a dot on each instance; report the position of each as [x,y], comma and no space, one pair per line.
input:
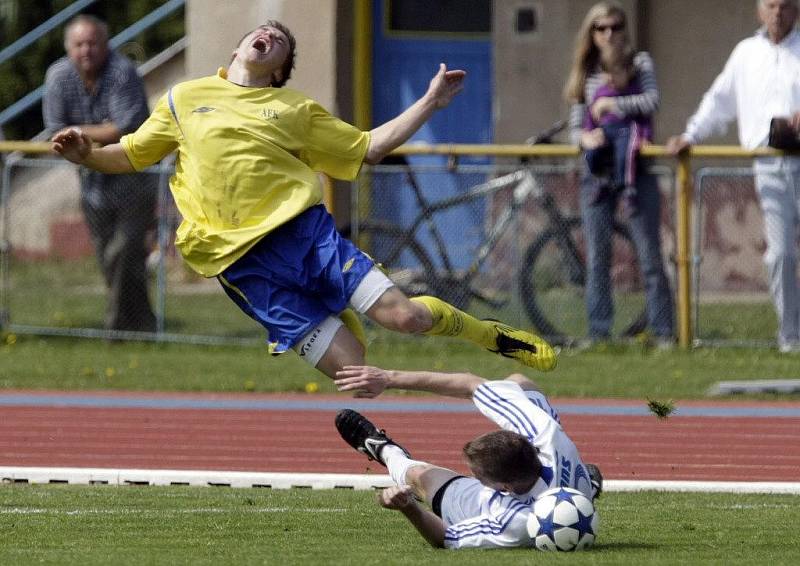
[683,179]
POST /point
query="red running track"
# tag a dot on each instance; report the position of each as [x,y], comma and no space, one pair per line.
[626,446]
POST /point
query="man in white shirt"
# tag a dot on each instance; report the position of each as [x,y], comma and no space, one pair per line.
[511,467]
[761,80]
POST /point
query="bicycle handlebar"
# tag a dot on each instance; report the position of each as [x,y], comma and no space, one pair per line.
[547,135]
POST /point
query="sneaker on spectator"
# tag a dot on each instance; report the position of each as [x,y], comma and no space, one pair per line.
[790,347]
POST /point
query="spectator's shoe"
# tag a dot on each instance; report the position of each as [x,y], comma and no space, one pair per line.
[525,347]
[596,479]
[362,435]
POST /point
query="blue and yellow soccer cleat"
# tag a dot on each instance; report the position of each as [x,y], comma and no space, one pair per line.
[525,347]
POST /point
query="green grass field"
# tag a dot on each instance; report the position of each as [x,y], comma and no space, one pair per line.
[58,524]
[70,294]
[637,371]
[183,525]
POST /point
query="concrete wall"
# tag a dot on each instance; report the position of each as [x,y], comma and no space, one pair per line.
[689,41]
[215,27]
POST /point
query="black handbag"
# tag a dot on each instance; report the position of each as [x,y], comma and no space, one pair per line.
[782,135]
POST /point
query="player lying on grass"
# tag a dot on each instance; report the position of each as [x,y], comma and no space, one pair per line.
[246,184]
[511,467]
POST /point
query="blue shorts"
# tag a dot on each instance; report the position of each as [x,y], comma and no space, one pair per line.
[296,276]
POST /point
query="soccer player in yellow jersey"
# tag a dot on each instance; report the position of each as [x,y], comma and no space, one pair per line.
[246,184]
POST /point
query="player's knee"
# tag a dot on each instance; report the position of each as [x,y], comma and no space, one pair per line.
[415,476]
[410,319]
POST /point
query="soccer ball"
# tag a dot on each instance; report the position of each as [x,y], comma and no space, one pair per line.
[562,519]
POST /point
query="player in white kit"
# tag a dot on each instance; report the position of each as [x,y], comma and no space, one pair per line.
[511,467]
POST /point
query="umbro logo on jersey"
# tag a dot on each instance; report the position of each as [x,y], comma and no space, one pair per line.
[203,109]
[348,265]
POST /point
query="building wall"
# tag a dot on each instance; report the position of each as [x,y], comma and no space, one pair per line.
[215,27]
[689,41]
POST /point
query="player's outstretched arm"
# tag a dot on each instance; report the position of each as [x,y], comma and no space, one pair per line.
[426,522]
[76,146]
[387,137]
[368,381]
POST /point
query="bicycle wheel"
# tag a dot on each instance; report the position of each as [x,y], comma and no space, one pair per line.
[553,280]
[401,256]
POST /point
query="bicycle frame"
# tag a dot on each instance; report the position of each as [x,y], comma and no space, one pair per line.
[526,186]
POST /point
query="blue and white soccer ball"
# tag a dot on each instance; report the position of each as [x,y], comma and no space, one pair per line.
[563,519]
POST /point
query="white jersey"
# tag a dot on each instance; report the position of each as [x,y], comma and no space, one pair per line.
[477,516]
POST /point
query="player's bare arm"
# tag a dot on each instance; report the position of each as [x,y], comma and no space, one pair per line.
[387,137]
[524,383]
[427,523]
[75,145]
[368,381]
[104,134]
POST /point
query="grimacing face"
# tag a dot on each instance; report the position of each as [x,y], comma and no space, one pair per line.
[266,46]
[87,47]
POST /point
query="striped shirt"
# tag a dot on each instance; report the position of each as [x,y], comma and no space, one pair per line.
[502,521]
[634,105]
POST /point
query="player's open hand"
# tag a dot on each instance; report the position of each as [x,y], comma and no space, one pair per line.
[364,381]
[397,497]
[445,85]
[72,144]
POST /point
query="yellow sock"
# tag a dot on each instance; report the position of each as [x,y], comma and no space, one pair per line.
[353,324]
[449,321]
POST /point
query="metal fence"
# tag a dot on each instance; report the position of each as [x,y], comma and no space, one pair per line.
[51,280]
[499,241]
[732,304]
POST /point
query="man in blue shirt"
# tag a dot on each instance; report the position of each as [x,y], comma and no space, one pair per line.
[100,92]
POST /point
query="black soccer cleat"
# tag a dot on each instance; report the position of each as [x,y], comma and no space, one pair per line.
[596,479]
[362,435]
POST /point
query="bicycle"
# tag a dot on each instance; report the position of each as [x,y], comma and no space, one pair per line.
[553,272]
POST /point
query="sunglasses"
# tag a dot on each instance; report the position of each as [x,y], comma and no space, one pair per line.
[615,28]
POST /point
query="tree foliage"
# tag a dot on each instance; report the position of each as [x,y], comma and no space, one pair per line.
[26,71]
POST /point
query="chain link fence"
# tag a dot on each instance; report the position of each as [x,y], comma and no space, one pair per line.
[732,304]
[65,268]
[500,241]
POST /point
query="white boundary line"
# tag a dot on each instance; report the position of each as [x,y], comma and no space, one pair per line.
[111,476]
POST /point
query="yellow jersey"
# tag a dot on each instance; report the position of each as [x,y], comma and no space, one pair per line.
[246,162]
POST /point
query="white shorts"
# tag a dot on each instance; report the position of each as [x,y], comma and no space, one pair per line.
[313,345]
[461,500]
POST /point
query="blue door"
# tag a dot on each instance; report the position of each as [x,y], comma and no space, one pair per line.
[411,39]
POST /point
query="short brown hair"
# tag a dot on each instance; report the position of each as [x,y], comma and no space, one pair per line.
[503,456]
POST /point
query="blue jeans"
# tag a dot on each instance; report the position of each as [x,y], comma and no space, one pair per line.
[598,216]
[614,153]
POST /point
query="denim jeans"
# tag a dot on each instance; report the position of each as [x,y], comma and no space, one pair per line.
[644,224]
[614,153]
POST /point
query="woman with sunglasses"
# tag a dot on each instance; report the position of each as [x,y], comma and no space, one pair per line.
[603,37]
